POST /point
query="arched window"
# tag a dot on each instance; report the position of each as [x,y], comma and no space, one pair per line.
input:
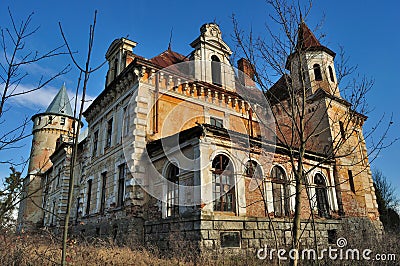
[223,184]
[331,74]
[317,72]
[216,70]
[173,190]
[280,192]
[321,196]
[253,170]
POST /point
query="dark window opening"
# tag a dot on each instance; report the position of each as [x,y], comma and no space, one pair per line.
[115,68]
[342,131]
[321,196]
[223,184]
[109,132]
[173,191]
[115,232]
[332,235]
[230,239]
[103,192]
[89,195]
[50,119]
[62,121]
[98,232]
[216,70]
[95,142]
[280,192]
[39,120]
[121,184]
[351,181]
[317,72]
[126,121]
[331,74]
[216,122]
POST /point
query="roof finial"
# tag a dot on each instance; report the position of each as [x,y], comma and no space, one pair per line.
[301,17]
[170,40]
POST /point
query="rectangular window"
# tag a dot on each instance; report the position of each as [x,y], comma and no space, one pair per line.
[230,239]
[126,121]
[216,122]
[103,192]
[89,195]
[109,132]
[121,184]
[62,121]
[95,142]
[351,181]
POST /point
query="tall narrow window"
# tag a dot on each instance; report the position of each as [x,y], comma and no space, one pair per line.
[321,195]
[121,184]
[89,196]
[103,192]
[115,68]
[223,184]
[317,72]
[53,214]
[342,131]
[39,120]
[62,121]
[216,70]
[280,192]
[109,132]
[95,142]
[78,202]
[331,74]
[351,181]
[50,119]
[173,190]
[126,121]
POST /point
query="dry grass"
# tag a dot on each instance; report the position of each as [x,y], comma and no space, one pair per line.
[45,249]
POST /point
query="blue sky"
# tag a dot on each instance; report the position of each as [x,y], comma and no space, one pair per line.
[368,30]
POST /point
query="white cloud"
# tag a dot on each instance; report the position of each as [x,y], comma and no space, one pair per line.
[39,100]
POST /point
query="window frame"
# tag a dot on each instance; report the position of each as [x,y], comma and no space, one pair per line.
[321,196]
[280,184]
[317,72]
[172,203]
[224,197]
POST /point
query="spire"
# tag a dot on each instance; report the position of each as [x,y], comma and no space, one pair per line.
[306,39]
[60,104]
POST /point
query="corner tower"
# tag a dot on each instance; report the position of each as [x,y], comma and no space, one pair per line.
[57,120]
[316,62]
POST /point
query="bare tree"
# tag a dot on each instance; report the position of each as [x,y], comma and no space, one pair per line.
[16,58]
[86,70]
[311,114]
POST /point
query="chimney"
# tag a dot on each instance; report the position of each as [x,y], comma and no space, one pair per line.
[246,74]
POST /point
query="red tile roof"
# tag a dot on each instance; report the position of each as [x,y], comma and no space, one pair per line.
[168,58]
[307,41]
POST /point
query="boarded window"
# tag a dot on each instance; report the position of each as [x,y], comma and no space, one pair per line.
[230,239]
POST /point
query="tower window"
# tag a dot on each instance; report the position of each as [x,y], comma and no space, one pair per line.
[39,120]
[351,181]
[342,131]
[50,119]
[62,121]
[317,72]
[331,74]
[216,70]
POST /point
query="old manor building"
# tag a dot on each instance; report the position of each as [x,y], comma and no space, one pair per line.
[166,158]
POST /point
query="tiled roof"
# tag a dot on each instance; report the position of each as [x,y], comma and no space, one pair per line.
[168,58]
[307,41]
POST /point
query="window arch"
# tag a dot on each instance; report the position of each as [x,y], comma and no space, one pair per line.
[280,192]
[172,190]
[331,76]
[216,70]
[317,72]
[321,195]
[223,184]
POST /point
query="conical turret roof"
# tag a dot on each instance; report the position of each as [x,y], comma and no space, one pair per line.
[60,104]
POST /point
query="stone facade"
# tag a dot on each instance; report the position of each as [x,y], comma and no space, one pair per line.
[170,160]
